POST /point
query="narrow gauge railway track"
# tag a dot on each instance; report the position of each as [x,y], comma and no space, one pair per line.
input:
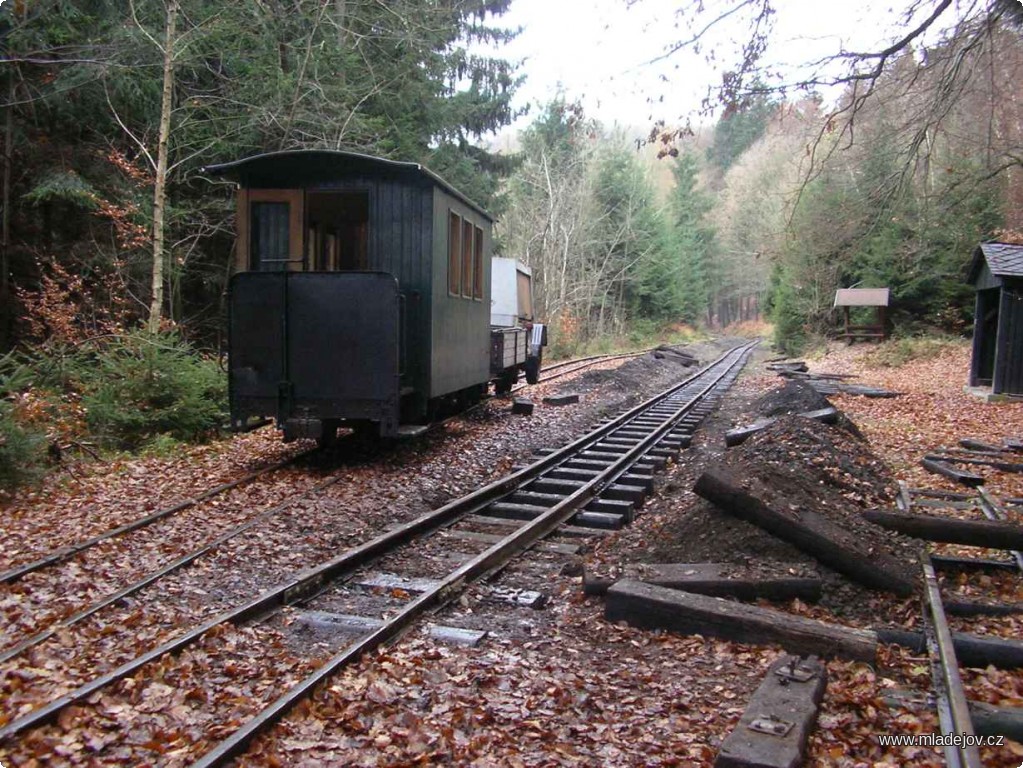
[950,696]
[549,374]
[993,510]
[151,578]
[138,539]
[559,370]
[950,699]
[591,481]
[50,625]
[62,554]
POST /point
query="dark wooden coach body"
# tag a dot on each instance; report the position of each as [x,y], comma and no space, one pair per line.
[361,292]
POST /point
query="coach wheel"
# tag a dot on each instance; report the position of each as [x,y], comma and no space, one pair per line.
[328,437]
[506,381]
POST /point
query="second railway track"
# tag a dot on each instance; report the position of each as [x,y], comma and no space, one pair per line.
[64,608]
[58,555]
[597,480]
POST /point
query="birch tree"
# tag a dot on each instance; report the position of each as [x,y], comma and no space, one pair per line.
[160,187]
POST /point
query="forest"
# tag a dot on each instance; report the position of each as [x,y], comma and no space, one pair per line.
[115,247]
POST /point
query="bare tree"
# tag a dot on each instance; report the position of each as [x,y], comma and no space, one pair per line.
[160,188]
[965,33]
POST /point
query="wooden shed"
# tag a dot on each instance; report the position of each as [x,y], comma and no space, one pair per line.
[996,273]
[863,297]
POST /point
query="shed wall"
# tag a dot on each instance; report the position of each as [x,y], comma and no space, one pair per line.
[986,280]
[1008,379]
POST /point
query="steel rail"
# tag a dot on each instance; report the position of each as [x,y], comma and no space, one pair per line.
[993,510]
[586,362]
[594,359]
[312,579]
[490,560]
[581,364]
[65,553]
[68,552]
[151,578]
[953,708]
[62,554]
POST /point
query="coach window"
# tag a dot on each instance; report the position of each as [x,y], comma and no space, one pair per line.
[467,259]
[341,221]
[270,236]
[270,230]
[454,253]
[477,266]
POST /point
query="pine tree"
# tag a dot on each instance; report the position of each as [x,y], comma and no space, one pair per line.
[692,238]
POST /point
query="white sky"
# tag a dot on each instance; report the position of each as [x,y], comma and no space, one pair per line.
[597,51]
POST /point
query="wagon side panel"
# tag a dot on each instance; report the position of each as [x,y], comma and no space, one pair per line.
[460,311]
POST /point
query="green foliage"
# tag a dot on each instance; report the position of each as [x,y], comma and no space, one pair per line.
[633,236]
[608,257]
[403,79]
[65,186]
[22,450]
[874,228]
[920,246]
[143,386]
[693,239]
[640,334]
[739,128]
[138,392]
[162,446]
[790,334]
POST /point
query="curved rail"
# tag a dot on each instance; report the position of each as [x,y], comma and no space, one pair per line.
[580,364]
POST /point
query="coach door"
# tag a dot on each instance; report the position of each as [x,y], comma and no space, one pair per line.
[270,223]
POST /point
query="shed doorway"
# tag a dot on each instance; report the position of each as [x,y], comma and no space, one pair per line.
[337,231]
[986,330]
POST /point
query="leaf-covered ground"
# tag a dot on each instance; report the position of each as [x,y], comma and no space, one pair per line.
[564,688]
[934,411]
[372,491]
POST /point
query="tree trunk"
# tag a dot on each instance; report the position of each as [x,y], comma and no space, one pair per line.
[6,305]
[340,18]
[160,191]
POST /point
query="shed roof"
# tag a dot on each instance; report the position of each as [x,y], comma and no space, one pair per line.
[1003,259]
[303,167]
[862,297]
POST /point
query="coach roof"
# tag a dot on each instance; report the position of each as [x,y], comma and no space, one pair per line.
[302,167]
